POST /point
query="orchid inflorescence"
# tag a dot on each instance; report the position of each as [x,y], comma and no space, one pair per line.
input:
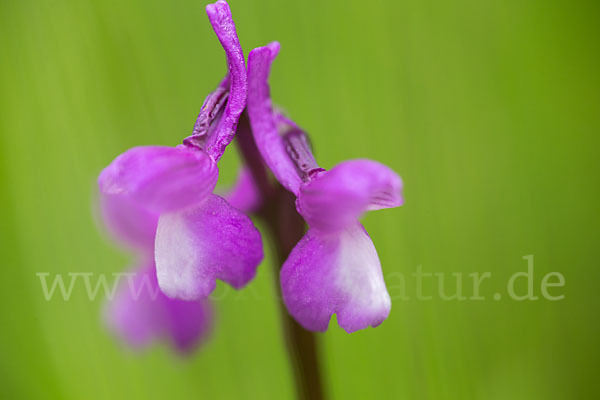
[160,201]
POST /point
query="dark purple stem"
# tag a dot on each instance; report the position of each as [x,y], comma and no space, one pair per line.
[286,227]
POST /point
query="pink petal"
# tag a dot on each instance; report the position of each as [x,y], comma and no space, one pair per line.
[335,273]
[161,178]
[210,241]
[264,121]
[128,221]
[335,199]
[220,17]
[140,314]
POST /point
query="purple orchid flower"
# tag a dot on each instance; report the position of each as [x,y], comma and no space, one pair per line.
[140,313]
[159,200]
[200,237]
[334,268]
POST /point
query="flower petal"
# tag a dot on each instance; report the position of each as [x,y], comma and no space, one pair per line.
[212,240]
[244,195]
[161,178]
[220,17]
[337,198]
[263,119]
[140,314]
[129,221]
[335,273]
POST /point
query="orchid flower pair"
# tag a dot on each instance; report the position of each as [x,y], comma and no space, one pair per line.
[160,201]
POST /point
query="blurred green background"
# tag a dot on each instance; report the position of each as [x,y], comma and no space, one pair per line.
[488,109]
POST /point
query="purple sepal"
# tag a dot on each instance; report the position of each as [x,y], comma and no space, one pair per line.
[264,120]
[160,178]
[337,198]
[220,17]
